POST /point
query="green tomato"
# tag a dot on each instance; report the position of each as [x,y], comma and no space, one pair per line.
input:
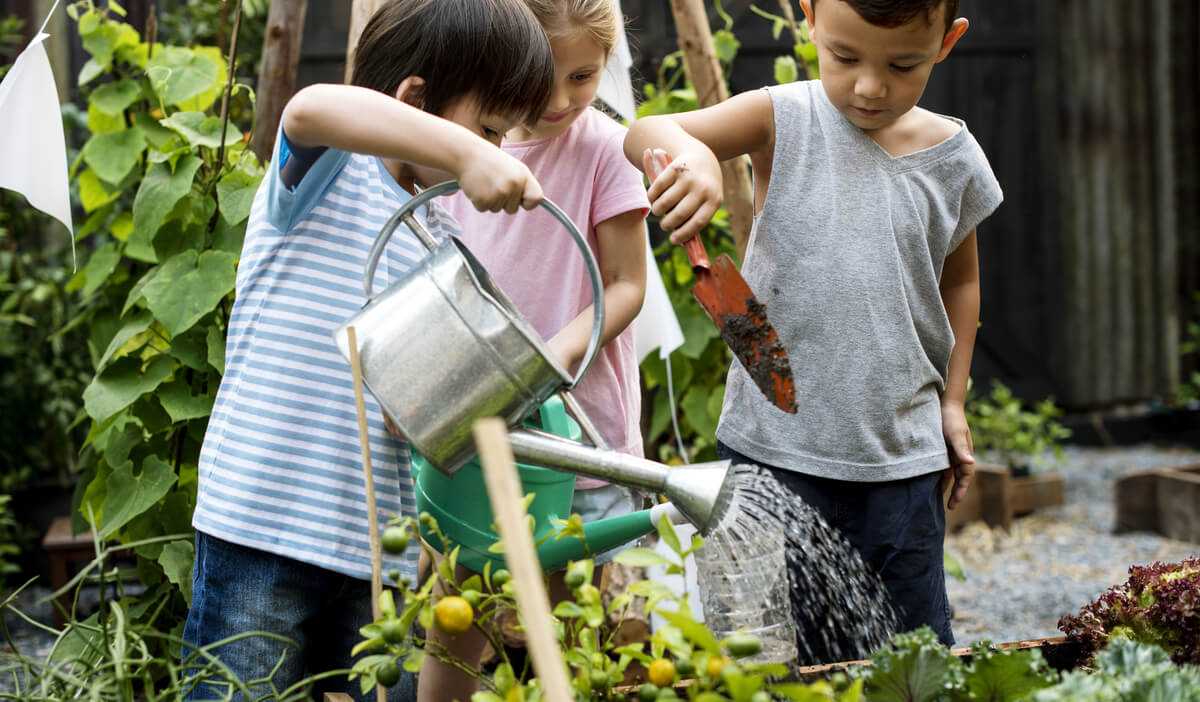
[743,645]
[684,667]
[393,631]
[500,577]
[648,693]
[574,579]
[388,673]
[472,597]
[395,540]
[599,679]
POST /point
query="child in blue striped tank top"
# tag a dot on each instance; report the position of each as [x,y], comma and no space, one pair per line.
[281,521]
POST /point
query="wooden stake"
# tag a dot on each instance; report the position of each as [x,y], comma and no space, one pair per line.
[504,492]
[364,440]
[360,12]
[704,69]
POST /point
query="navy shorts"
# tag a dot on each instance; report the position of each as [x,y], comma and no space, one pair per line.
[898,527]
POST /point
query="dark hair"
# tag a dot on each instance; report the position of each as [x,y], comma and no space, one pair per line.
[893,13]
[494,50]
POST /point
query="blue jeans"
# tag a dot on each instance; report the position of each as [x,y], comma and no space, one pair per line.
[238,589]
[897,526]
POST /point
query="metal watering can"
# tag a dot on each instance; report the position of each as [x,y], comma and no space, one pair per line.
[464,515]
[443,346]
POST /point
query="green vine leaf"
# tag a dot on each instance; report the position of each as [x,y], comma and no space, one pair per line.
[160,191]
[176,562]
[113,98]
[695,407]
[112,155]
[178,74]
[92,194]
[131,327]
[179,402]
[200,129]
[122,383]
[186,287]
[129,495]
[235,195]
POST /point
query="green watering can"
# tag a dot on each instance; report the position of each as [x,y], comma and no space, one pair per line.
[464,514]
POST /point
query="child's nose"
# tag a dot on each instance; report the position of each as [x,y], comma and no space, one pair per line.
[870,85]
[560,100]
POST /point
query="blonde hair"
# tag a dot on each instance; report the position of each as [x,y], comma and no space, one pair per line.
[599,19]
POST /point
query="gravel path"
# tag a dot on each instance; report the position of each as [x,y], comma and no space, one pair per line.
[1057,560]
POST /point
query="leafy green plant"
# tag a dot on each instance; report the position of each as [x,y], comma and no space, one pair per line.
[1159,604]
[916,667]
[166,183]
[9,538]
[115,654]
[1007,431]
[685,649]
[1127,671]
[1187,394]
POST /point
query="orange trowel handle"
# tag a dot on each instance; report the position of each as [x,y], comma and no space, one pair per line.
[696,253]
[655,162]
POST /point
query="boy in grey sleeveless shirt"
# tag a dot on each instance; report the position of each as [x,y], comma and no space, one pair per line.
[864,252]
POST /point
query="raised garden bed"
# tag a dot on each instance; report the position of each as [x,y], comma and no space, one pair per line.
[1163,500]
[997,496]
[1059,653]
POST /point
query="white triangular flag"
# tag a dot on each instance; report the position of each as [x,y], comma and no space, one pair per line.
[33,150]
[616,86]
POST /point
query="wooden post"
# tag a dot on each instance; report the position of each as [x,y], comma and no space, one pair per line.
[704,69]
[504,492]
[360,12]
[364,440]
[277,73]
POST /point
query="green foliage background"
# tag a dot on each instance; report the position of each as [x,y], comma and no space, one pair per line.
[166,182]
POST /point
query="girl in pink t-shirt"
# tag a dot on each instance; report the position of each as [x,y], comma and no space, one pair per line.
[575,152]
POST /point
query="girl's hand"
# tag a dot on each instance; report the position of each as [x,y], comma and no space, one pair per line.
[685,191]
[493,181]
[961,452]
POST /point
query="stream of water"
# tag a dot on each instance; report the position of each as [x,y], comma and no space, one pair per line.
[836,606]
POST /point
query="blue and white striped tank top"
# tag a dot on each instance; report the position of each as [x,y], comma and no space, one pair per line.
[281,466]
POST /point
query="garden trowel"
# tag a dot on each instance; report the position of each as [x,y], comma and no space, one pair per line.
[740,317]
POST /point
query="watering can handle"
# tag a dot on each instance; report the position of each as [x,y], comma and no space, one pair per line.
[405,214]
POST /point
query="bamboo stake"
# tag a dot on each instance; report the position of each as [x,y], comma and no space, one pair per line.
[504,492]
[364,441]
[704,69]
[360,12]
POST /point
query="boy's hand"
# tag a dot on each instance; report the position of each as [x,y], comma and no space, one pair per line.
[961,452]
[493,181]
[686,193]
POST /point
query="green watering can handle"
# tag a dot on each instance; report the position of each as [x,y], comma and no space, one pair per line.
[405,214]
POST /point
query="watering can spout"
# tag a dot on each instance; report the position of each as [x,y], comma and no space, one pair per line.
[604,534]
[702,492]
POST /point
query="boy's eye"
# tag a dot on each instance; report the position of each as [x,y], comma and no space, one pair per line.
[902,69]
[843,59]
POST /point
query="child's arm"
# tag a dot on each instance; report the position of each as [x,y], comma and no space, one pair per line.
[622,260]
[360,120]
[960,295]
[689,191]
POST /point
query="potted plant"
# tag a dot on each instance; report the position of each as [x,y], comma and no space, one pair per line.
[1018,446]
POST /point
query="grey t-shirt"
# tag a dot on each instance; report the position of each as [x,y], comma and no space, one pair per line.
[847,254]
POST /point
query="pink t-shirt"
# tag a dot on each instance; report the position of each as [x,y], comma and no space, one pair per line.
[537,264]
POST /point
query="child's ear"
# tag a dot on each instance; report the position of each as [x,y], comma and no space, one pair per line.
[806,7]
[952,36]
[412,91]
